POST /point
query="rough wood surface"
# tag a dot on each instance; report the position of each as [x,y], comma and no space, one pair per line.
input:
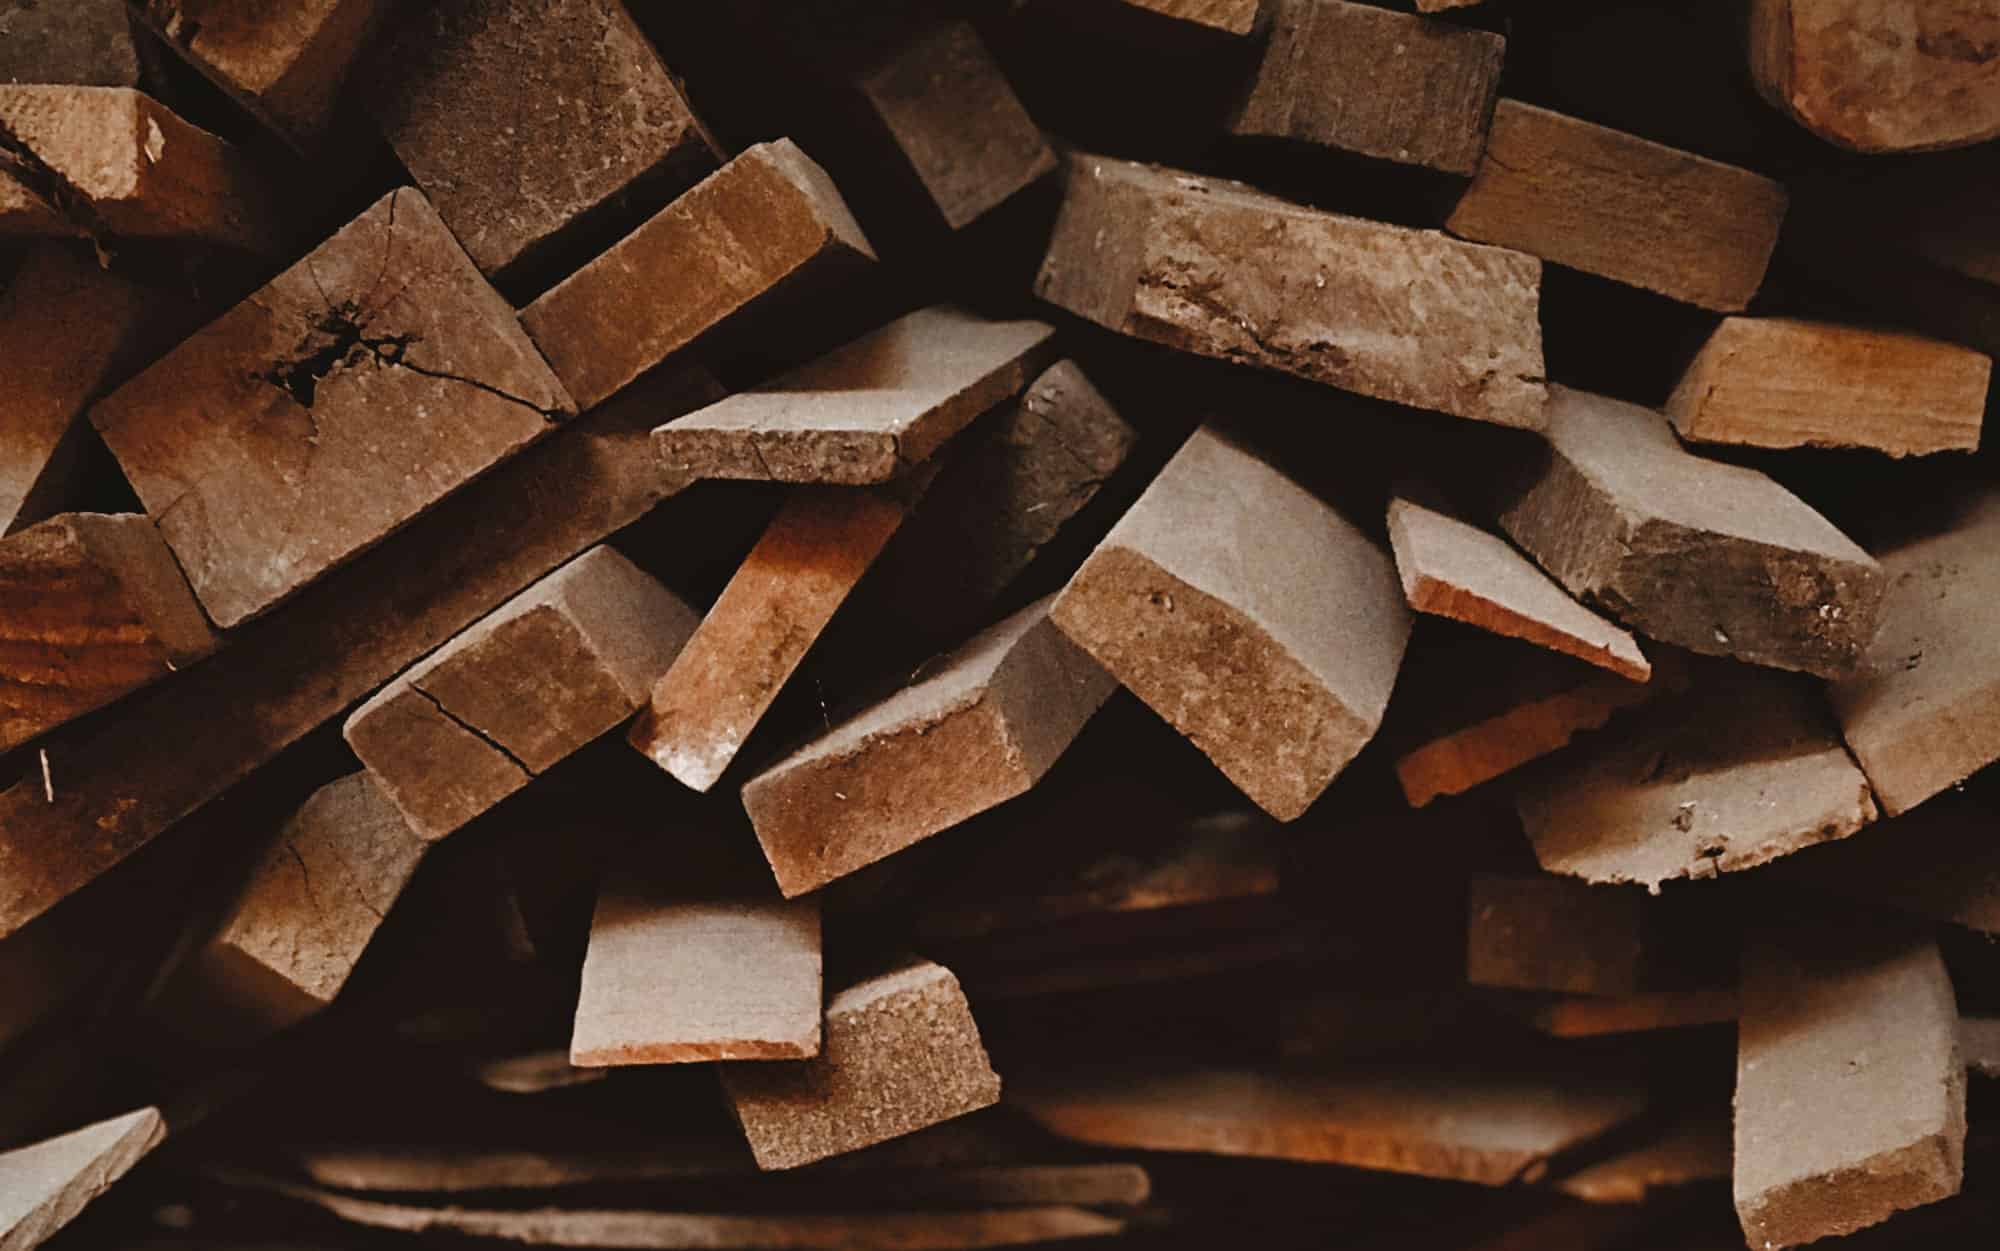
[1850,1089]
[1621,207]
[901,1052]
[1549,933]
[85,43]
[1715,558]
[1269,634]
[1369,80]
[367,382]
[768,218]
[1692,1150]
[1221,269]
[531,682]
[1778,382]
[1235,17]
[45,1185]
[979,727]
[1590,1016]
[867,411]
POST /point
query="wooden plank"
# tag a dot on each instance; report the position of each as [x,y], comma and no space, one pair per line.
[45,1185]
[1275,657]
[1430,88]
[981,726]
[1779,382]
[1221,269]
[1850,1090]
[1622,207]
[1592,1016]
[768,218]
[1693,1149]
[85,43]
[1537,932]
[359,387]
[1715,558]
[1234,17]
[519,690]
[901,1052]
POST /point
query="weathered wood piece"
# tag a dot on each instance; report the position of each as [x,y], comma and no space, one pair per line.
[901,1052]
[358,388]
[45,1185]
[1269,634]
[1694,1149]
[1221,269]
[1850,1090]
[1557,934]
[1622,207]
[1778,382]
[1715,558]
[1483,1127]
[93,607]
[462,88]
[1880,77]
[1454,569]
[104,163]
[1234,17]
[534,680]
[1384,84]
[1896,864]
[867,411]
[817,547]
[174,749]
[1738,772]
[981,726]
[768,218]
[84,43]
[1923,710]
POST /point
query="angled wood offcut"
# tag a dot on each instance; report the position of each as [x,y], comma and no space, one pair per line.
[867,411]
[1269,634]
[86,43]
[977,728]
[537,678]
[45,1185]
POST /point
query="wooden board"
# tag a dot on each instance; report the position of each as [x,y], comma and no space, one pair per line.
[1540,932]
[45,1185]
[1234,17]
[85,43]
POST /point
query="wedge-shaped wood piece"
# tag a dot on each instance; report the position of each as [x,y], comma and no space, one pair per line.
[1250,615]
[867,411]
[1694,1149]
[538,677]
[1903,76]
[86,43]
[781,598]
[1622,207]
[1589,1016]
[1850,1089]
[1777,382]
[767,217]
[1896,864]
[1464,1124]
[358,388]
[901,1052]
[1530,932]
[981,726]
[105,163]
[1221,269]
[1741,770]
[1923,712]
[1384,84]
[1457,570]
[94,606]
[1715,558]
[45,1185]
[462,88]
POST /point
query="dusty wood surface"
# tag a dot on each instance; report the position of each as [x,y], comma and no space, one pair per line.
[45,1185]
[85,43]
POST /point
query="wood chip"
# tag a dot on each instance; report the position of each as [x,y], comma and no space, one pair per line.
[85,43]
[44,1186]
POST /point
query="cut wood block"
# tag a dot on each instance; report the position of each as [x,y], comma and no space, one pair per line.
[534,680]
[1880,77]
[1457,570]
[1622,207]
[867,411]
[1384,84]
[173,749]
[901,1052]
[1590,1016]
[1694,1149]
[85,43]
[1715,558]
[1235,17]
[768,218]
[533,1073]
[1979,1040]
[1550,933]
[463,88]
[358,388]
[1850,1090]
[1740,771]
[44,1186]
[781,598]
[1221,269]
[1275,653]
[1461,1124]
[94,606]
[105,163]
[1897,864]
[1923,711]
[981,726]
[1777,382]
